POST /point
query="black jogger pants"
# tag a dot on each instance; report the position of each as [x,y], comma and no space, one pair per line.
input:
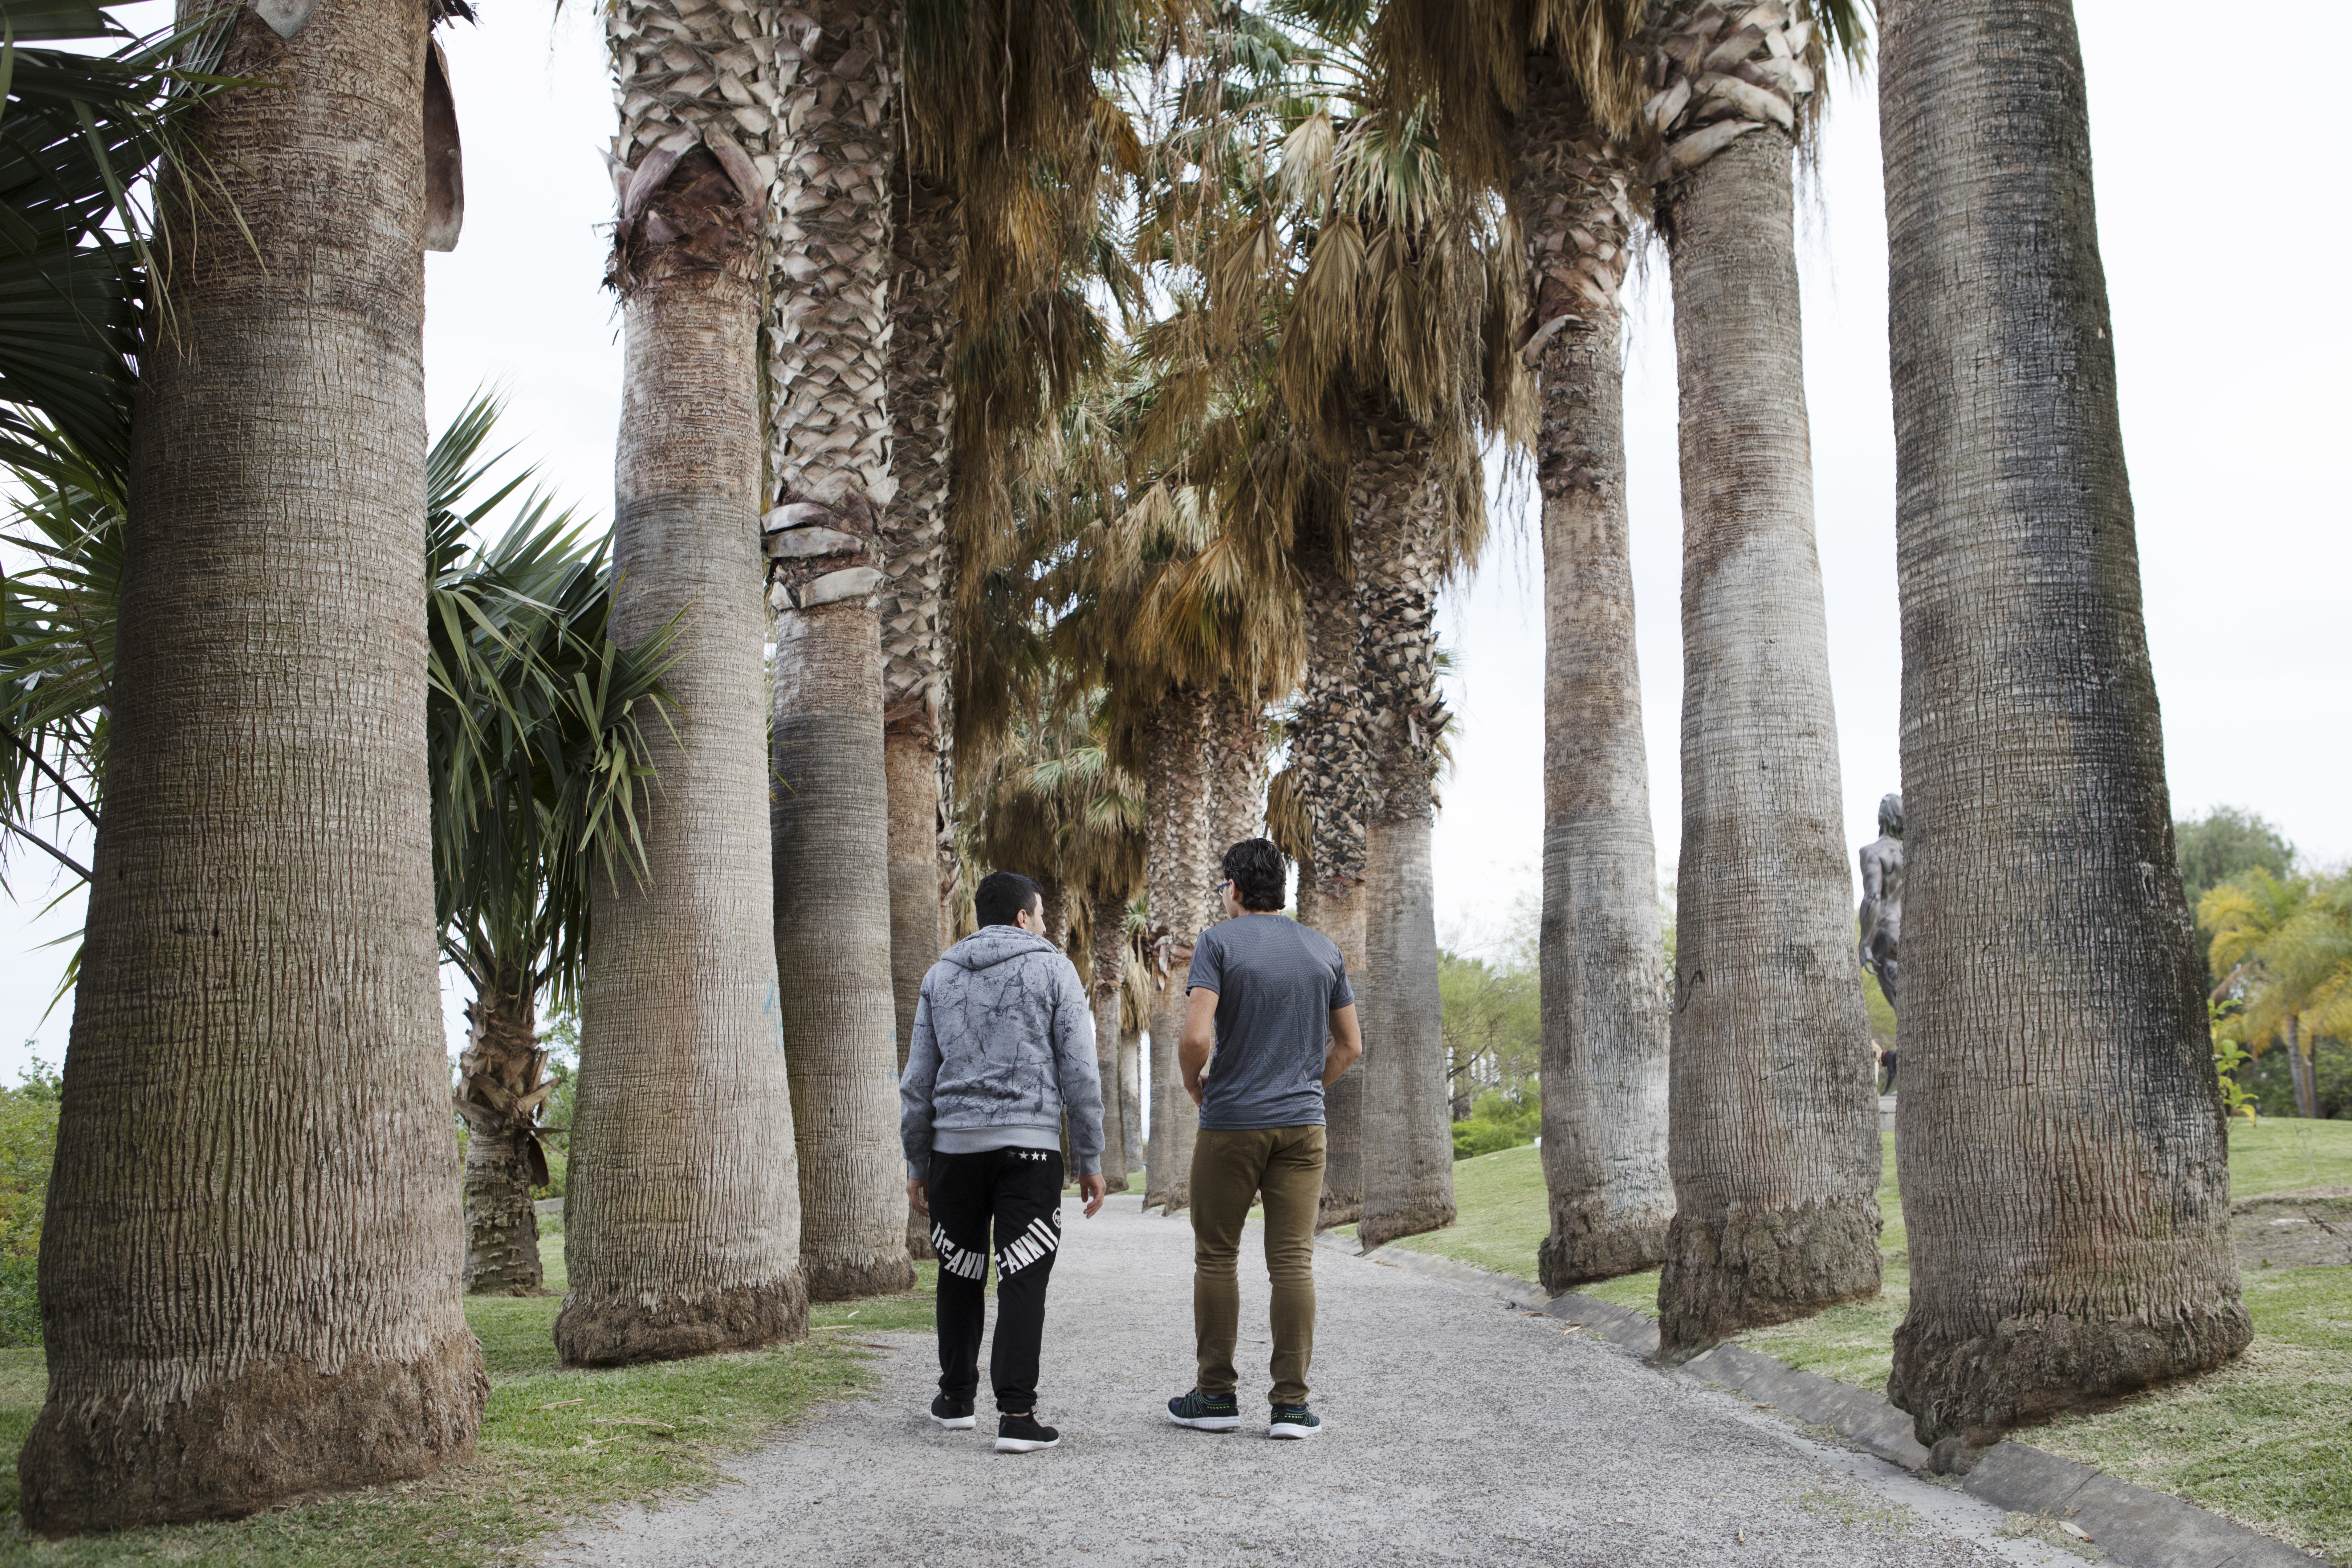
[1019,1192]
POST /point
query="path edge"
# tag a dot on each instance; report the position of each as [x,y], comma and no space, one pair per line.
[2133,1525]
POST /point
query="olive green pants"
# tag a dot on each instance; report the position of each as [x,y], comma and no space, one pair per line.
[1230,1169]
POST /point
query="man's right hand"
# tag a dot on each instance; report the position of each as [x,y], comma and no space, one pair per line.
[919,1196]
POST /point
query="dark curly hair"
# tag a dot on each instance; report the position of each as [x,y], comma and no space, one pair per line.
[1259,871]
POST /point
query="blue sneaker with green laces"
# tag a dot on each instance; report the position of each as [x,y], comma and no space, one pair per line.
[1205,1411]
[1293,1421]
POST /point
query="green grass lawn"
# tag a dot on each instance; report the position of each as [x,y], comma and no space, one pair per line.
[555,1444]
[2267,1439]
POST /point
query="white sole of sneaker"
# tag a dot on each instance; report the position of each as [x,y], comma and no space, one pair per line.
[1284,1429]
[956,1423]
[1023,1445]
[1207,1423]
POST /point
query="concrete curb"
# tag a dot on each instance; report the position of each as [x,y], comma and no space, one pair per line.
[2131,1525]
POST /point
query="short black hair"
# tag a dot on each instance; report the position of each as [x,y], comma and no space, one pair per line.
[1003,895]
[1258,870]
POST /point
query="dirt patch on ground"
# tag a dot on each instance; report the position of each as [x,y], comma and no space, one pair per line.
[2294,1230]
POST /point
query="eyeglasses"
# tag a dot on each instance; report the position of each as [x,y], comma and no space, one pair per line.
[1220,887]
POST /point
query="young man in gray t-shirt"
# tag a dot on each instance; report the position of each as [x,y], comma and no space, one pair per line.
[1270,998]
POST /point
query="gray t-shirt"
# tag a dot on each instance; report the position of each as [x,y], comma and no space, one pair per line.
[1278,984]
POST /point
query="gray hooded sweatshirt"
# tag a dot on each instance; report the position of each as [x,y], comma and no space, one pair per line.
[1003,1044]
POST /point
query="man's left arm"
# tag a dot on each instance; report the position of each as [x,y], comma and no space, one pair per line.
[1199,1040]
[1080,1082]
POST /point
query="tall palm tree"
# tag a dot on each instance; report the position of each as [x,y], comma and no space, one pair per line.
[1538,100]
[1134,1017]
[1601,950]
[2065,1179]
[1175,752]
[256,1001]
[1407,1159]
[1774,1139]
[533,742]
[1007,137]
[1345,290]
[682,1225]
[1175,614]
[1315,810]
[1099,852]
[829,458]
[927,235]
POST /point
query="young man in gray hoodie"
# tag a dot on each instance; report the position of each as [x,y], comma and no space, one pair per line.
[1003,1046]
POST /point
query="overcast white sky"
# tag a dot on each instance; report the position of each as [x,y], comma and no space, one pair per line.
[2230,343]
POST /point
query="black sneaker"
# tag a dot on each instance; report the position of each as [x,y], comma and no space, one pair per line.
[954,1414]
[1022,1434]
[1205,1412]
[1293,1421]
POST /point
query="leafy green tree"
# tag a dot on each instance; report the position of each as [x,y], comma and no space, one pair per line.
[1492,1022]
[2221,845]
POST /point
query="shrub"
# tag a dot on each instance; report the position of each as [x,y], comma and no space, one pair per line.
[1499,1120]
[28,1144]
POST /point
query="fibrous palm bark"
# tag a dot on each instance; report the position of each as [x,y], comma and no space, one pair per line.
[502,1083]
[1407,1117]
[1326,794]
[1178,874]
[1238,745]
[1133,1007]
[682,1212]
[926,240]
[2066,1177]
[250,1265]
[1603,957]
[828,374]
[1774,1141]
[1106,931]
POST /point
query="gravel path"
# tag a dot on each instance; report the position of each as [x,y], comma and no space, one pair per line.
[1455,1430]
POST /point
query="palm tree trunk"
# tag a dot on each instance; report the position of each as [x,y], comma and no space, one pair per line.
[830,454]
[1601,950]
[1238,746]
[1774,1137]
[1108,926]
[910,764]
[1329,781]
[1131,1094]
[1055,895]
[1408,1143]
[2066,1177]
[257,1004]
[682,1208]
[926,242]
[1176,813]
[829,835]
[498,1094]
[1340,918]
